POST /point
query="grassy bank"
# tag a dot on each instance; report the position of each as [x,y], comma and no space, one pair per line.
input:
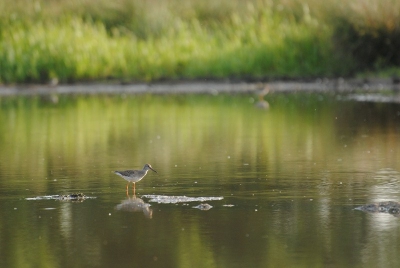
[148,40]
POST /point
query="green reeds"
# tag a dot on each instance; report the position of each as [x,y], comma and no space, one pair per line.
[150,40]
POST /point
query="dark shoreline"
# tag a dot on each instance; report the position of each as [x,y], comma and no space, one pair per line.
[205,87]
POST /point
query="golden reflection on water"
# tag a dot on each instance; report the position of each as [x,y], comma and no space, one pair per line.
[293,174]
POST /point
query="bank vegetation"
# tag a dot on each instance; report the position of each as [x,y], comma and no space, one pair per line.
[147,40]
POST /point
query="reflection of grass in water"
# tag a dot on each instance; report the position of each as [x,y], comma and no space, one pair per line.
[82,138]
[88,137]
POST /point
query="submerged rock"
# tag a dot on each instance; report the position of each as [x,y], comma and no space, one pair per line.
[390,207]
[68,197]
[203,206]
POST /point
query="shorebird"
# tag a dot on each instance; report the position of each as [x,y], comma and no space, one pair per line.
[261,103]
[134,175]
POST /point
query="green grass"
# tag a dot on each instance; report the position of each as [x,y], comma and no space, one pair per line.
[149,40]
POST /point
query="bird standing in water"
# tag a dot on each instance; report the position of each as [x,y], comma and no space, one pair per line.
[134,175]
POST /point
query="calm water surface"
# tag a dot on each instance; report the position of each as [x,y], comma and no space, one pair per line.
[289,176]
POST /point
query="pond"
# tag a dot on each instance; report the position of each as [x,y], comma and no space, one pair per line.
[245,187]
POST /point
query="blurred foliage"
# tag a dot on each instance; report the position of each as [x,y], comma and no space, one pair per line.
[42,41]
[369,32]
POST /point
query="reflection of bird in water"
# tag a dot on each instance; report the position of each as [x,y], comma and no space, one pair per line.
[135,204]
[261,103]
[51,98]
[134,175]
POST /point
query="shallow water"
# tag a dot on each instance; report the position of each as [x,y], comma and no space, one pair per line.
[289,179]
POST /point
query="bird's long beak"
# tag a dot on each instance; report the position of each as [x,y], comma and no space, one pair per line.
[153,169]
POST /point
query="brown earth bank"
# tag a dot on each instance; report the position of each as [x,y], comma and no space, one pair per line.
[207,86]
